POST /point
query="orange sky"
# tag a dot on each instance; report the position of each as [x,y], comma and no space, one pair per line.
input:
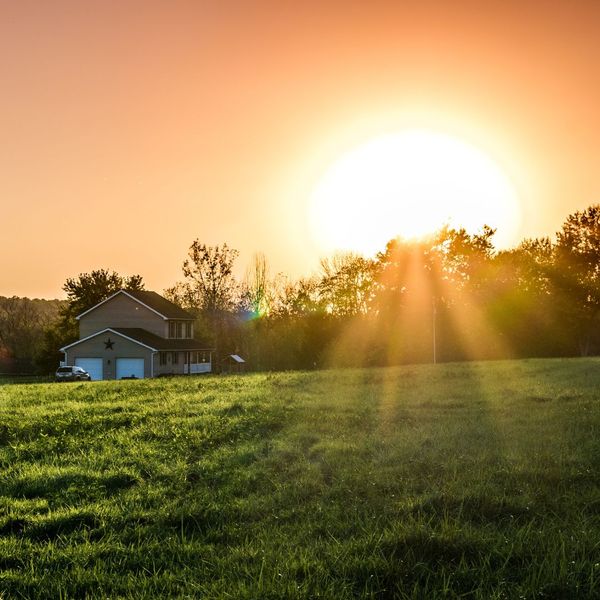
[128,129]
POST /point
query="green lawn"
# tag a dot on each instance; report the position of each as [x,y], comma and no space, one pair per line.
[473,480]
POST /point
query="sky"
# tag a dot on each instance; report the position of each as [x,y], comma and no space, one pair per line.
[128,129]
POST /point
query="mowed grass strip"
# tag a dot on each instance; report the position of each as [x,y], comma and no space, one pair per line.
[462,480]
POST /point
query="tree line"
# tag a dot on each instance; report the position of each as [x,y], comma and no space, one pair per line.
[452,296]
[23,323]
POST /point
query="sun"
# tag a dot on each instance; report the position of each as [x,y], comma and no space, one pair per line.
[410,184]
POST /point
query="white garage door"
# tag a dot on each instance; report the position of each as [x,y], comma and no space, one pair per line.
[92,365]
[130,367]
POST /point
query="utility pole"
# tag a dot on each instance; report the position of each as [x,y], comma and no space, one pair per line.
[433,315]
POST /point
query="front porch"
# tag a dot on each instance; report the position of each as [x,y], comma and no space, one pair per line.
[183,362]
[196,368]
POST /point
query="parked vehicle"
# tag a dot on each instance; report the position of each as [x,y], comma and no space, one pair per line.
[72,374]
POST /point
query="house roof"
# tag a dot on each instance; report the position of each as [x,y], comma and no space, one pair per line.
[159,304]
[145,338]
[158,343]
[155,302]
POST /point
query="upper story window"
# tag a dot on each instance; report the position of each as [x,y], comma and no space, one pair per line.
[180,329]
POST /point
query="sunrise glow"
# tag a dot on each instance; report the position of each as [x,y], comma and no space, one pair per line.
[409,184]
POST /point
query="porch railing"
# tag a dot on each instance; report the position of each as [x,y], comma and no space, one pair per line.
[195,368]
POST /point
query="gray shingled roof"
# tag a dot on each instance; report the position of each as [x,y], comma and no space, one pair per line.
[161,305]
[157,342]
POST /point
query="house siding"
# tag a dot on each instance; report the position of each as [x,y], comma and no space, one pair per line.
[180,367]
[122,311]
[170,368]
[122,348]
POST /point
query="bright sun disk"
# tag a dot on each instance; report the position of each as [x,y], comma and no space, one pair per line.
[410,184]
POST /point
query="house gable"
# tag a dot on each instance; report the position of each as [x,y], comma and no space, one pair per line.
[105,333]
[109,348]
[151,300]
[122,310]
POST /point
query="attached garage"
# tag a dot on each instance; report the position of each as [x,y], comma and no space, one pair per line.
[118,353]
[92,365]
[130,368]
[110,354]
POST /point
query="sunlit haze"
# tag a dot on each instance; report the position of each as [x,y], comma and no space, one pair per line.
[130,129]
[409,184]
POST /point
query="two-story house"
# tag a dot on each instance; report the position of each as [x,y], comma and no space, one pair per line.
[136,334]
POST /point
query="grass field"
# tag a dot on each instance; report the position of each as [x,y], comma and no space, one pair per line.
[473,480]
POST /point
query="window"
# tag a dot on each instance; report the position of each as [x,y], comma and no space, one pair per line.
[180,329]
[163,358]
[174,357]
[199,357]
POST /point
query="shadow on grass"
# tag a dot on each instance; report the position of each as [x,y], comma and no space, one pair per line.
[71,485]
[414,562]
[478,510]
[50,528]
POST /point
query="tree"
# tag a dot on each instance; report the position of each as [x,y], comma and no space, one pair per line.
[211,291]
[430,287]
[347,284]
[209,285]
[528,267]
[88,289]
[257,293]
[408,282]
[256,301]
[298,298]
[521,300]
[461,260]
[22,323]
[83,292]
[577,273]
[19,326]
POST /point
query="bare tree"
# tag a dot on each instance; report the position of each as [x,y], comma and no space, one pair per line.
[257,287]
